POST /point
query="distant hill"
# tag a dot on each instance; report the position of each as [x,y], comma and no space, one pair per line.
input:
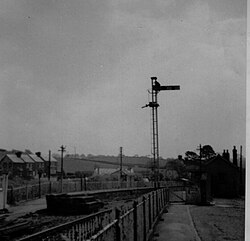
[72,164]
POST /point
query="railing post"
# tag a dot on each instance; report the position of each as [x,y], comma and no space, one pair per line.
[149,211]
[157,202]
[153,207]
[161,199]
[144,219]
[135,220]
[160,193]
[117,228]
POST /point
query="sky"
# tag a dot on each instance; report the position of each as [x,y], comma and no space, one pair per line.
[76,73]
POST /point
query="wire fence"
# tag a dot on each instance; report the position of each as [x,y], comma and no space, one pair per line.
[31,192]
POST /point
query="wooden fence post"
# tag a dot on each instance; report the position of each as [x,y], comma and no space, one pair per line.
[149,211]
[117,228]
[27,192]
[144,219]
[12,200]
[50,187]
[165,196]
[81,183]
[135,220]
[162,198]
[85,183]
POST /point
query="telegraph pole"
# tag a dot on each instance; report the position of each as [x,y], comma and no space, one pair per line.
[49,165]
[120,166]
[200,156]
[63,149]
[156,88]
[241,173]
[200,149]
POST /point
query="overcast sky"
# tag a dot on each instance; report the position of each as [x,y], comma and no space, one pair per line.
[77,72]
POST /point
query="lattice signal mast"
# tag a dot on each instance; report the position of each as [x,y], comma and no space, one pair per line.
[156,88]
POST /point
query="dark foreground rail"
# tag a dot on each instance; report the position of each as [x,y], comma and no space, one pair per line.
[134,223]
[80,229]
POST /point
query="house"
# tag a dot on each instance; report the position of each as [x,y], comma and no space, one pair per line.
[39,164]
[12,165]
[30,166]
[126,174]
[104,171]
[217,176]
[50,168]
[224,177]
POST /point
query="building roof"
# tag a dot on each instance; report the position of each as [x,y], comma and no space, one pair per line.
[36,158]
[14,158]
[2,155]
[127,172]
[219,157]
[27,159]
[105,171]
[46,158]
[110,171]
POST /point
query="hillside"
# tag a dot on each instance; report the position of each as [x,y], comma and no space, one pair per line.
[72,164]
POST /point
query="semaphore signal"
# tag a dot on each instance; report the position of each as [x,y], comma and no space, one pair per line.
[156,87]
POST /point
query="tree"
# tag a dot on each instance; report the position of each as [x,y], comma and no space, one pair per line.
[207,152]
[177,165]
[190,155]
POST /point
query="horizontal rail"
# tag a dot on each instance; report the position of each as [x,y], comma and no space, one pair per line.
[65,226]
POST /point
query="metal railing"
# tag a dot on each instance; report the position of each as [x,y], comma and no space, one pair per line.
[80,229]
[128,223]
[136,223]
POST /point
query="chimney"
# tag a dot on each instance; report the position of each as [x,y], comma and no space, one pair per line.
[38,154]
[18,154]
[227,156]
[224,155]
[235,157]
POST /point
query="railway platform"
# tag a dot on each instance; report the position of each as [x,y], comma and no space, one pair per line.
[176,225]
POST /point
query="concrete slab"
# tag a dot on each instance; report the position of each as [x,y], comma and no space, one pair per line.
[176,225]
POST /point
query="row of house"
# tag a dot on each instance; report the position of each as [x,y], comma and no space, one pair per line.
[26,165]
[127,174]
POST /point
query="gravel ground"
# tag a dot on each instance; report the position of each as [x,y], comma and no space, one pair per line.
[223,221]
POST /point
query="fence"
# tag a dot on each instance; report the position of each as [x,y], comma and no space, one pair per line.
[128,223]
[80,229]
[30,192]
